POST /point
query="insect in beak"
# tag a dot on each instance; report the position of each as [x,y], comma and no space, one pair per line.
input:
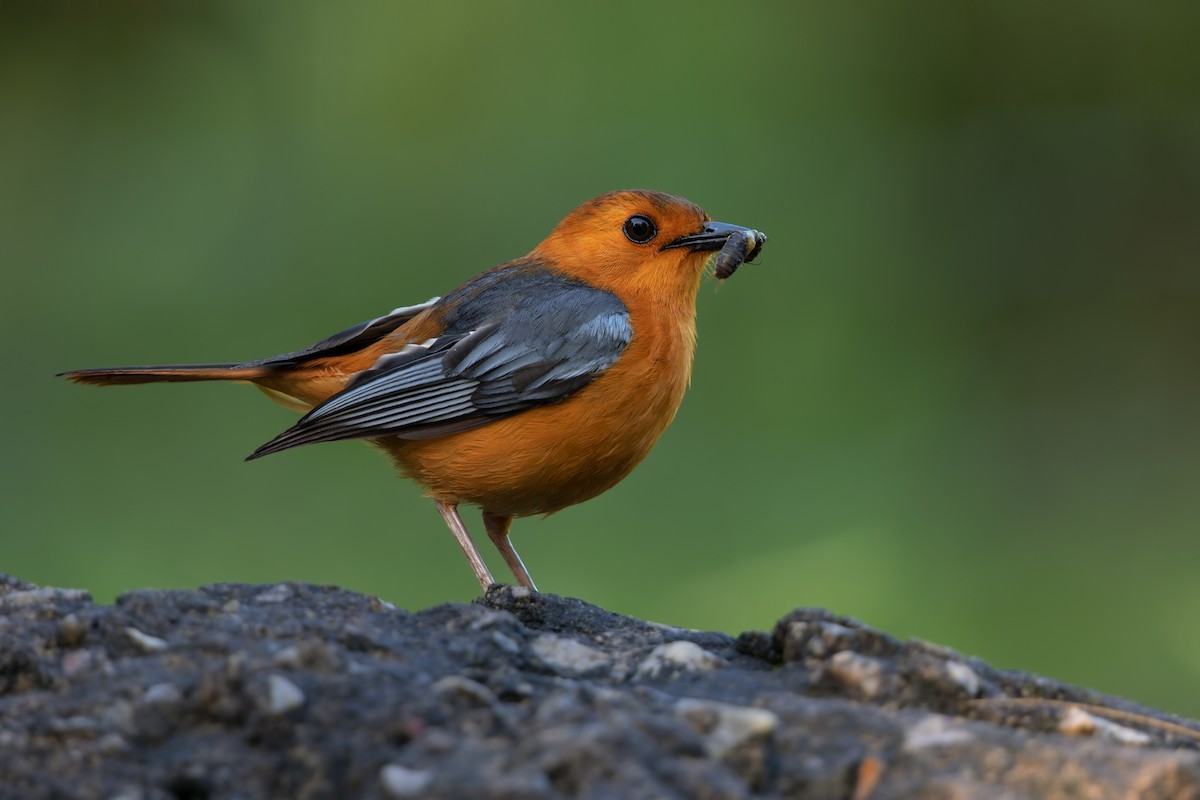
[736,244]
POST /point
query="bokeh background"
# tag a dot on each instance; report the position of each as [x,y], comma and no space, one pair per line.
[959,397]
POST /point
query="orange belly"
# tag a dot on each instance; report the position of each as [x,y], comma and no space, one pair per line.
[548,458]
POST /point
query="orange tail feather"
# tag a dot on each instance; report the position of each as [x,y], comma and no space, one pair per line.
[115,376]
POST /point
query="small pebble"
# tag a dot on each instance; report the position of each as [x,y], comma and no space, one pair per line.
[725,726]
[289,657]
[935,731]
[487,618]
[311,654]
[682,656]
[278,593]
[283,695]
[162,694]
[77,661]
[118,715]
[78,725]
[401,781]
[857,671]
[44,595]
[70,630]
[1078,722]
[457,684]
[477,692]
[964,676]
[506,643]
[568,655]
[112,743]
[147,643]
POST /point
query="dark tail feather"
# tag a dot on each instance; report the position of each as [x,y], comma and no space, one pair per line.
[115,376]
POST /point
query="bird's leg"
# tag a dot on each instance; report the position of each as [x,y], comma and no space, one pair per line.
[449,512]
[497,530]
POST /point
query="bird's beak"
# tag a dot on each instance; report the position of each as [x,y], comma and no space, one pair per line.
[714,236]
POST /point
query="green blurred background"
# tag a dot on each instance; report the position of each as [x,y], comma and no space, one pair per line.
[958,398]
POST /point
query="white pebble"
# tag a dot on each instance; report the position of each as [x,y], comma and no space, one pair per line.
[935,731]
[568,655]
[162,694]
[725,726]
[684,656]
[148,643]
[1078,722]
[964,676]
[401,781]
[284,695]
[276,594]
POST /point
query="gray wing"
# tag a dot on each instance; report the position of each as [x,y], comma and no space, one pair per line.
[515,345]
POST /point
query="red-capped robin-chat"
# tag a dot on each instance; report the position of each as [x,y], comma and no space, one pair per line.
[536,385]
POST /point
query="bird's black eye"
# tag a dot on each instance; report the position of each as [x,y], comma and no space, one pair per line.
[639,229]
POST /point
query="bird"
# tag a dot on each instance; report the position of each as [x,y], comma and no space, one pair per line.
[534,386]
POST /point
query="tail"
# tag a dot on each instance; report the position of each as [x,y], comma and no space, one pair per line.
[115,376]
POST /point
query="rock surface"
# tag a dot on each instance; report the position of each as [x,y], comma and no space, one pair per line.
[299,691]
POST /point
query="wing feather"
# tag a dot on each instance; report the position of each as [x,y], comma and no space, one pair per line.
[351,339]
[518,337]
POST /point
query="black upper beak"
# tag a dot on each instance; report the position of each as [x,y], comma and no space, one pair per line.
[714,236]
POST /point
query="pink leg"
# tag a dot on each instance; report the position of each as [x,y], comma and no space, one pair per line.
[497,530]
[449,512]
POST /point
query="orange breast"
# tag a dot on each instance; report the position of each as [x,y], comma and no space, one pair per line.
[548,458]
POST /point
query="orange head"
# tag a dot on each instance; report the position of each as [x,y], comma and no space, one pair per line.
[639,242]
